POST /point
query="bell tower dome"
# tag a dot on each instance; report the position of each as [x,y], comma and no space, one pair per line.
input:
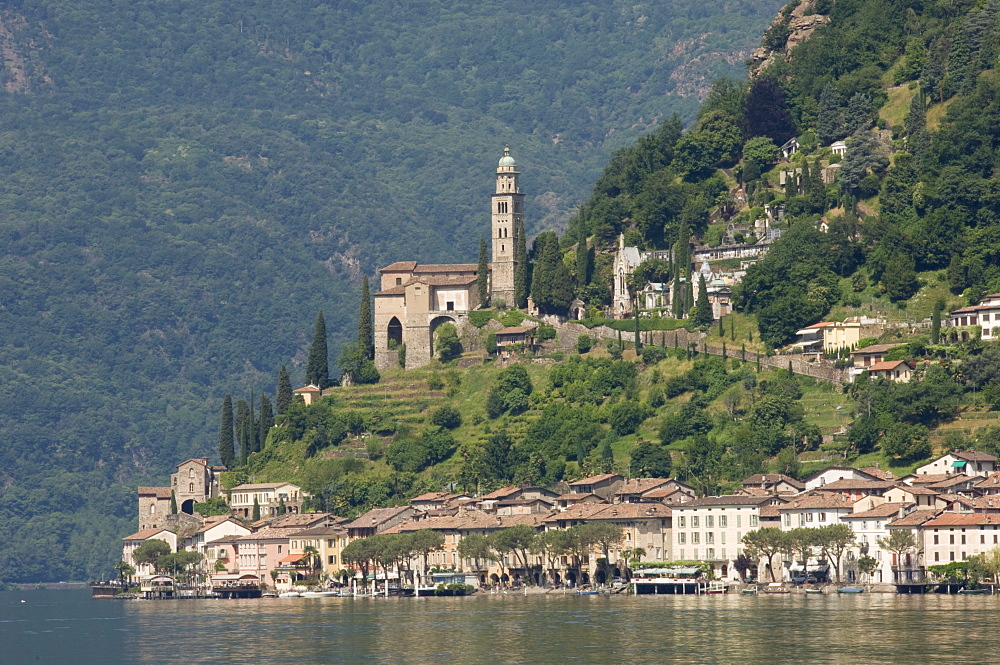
[507,214]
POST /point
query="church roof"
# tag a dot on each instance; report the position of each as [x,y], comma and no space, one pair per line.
[446,267]
[446,280]
[506,160]
[400,266]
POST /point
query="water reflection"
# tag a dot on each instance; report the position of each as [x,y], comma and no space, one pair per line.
[509,629]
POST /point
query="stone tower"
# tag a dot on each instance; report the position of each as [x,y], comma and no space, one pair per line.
[508,214]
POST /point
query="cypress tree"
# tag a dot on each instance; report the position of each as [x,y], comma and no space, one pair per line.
[483,274]
[366,336]
[255,516]
[283,399]
[583,264]
[521,280]
[227,449]
[702,312]
[638,342]
[936,323]
[318,364]
[265,421]
[254,426]
[173,503]
[791,374]
[722,329]
[243,429]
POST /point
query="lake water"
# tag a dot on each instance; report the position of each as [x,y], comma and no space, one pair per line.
[69,627]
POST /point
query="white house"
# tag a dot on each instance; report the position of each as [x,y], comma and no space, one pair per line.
[130,543]
[969,463]
[870,526]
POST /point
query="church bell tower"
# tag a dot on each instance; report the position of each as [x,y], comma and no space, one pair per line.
[508,217]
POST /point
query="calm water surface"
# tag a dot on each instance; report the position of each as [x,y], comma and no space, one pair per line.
[69,627]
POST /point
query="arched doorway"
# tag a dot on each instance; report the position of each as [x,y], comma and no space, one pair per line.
[601,577]
[436,323]
[394,332]
[188,507]
[585,578]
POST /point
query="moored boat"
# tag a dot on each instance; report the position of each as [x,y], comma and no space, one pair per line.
[975,591]
[289,594]
[319,594]
[850,589]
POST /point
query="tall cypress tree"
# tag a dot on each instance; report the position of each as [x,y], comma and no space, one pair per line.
[227,451]
[366,336]
[702,313]
[483,274]
[521,281]
[265,421]
[283,399]
[243,429]
[318,364]
[254,426]
[584,264]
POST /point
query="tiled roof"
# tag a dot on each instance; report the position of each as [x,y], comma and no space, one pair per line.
[975,456]
[882,510]
[258,486]
[320,531]
[270,533]
[728,500]
[918,490]
[446,267]
[876,348]
[576,496]
[501,493]
[595,479]
[886,365]
[311,388]
[145,534]
[432,496]
[990,481]
[400,266]
[876,472]
[392,291]
[377,516]
[515,330]
[772,479]
[446,280]
[852,484]
[303,519]
[931,478]
[769,511]
[641,485]
[916,518]
[817,500]
[158,492]
[963,519]
[951,482]
[472,519]
[214,521]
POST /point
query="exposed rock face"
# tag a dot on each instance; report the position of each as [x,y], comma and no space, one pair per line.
[801,25]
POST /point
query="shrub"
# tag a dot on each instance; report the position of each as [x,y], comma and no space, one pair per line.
[627,416]
[651,355]
[546,332]
[512,318]
[447,417]
[435,382]
[584,343]
[481,317]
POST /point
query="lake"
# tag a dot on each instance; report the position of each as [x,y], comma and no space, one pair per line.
[70,627]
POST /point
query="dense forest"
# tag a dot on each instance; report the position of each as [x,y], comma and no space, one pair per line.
[186,184]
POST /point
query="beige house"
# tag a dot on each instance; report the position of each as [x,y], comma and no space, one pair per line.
[309,393]
[893,370]
[986,315]
[828,336]
[130,543]
[269,496]
[957,536]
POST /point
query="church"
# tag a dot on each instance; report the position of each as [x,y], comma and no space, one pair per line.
[414,299]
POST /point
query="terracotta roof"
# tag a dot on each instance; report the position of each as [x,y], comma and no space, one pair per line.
[963,519]
[515,330]
[303,519]
[203,461]
[876,472]
[663,492]
[400,266]
[769,511]
[931,478]
[472,519]
[595,479]
[576,496]
[430,496]
[817,500]
[951,482]
[377,516]
[446,267]
[882,510]
[392,291]
[916,518]
[258,486]
[641,485]
[501,493]
[821,324]
[917,490]
[292,558]
[975,456]
[320,531]
[446,280]
[876,348]
[990,481]
[145,534]
[772,479]
[158,492]
[270,533]
[606,511]
[214,521]
[311,388]
[886,365]
[729,500]
[835,467]
[524,501]
[988,502]
[853,484]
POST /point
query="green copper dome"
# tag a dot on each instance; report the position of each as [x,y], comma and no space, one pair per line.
[506,160]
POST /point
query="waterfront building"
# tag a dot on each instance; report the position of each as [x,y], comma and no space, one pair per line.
[271,498]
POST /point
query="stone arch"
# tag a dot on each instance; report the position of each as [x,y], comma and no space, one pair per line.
[584,578]
[188,507]
[394,331]
[571,578]
[436,323]
[601,577]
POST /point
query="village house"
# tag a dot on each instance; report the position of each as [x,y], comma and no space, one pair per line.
[990,485]
[378,520]
[869,527]
[309,394]
[269,497]
[512,335]
[814,509]
[213,529]
[871,355]
[767,484]
[893,370]
[986,315]
[855,490]
[908,567]
[564,501]
[261,553]
[828,336]
[834,473]
[957,536]
[603,485]
[711,529]
[635,490]
[130,543]
[970,463]
[921,497]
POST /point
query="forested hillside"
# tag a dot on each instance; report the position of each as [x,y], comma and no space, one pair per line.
[185,184]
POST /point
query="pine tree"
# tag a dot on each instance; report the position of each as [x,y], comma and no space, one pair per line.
[521,268]
[829,116]
[283,398]
[227,450]
[366,336]
[318,364]
[483,274]
[265,421]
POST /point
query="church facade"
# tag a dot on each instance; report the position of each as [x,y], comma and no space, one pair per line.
[414,300]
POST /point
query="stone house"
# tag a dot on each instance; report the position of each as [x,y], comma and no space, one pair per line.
[378,520]
[603,485]
[765,484]
[194,482]
[154,507]
[636,490]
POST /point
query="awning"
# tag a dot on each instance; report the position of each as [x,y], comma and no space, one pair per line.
[292,558]
[959,464]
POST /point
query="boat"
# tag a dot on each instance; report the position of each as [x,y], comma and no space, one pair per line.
[975,591]
[289,594]
[850,589]
[749,591]
[588,593]
[320,594]
[814,591]
[776,587]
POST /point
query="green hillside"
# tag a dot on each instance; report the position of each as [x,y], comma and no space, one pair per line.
[184,184]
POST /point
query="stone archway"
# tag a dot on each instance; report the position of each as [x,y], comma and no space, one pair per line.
[436,323]
[188,507]
[394,332]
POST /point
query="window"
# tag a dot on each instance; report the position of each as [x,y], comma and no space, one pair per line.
[331,542]
[191,488]
[788,519]
[753,521]
[710,538]
[951,556]
[709,522]
[694,521]
[982,539]
[963,538]
[935,539]
[450,306]
[951,539]
[722,521]
[710,553]
[724,553]
[694,553]
[802,519]
[680,554]
[279,549]
[722,539]
[822,517]
[152,509]
[809,517]
[680,522]
[738,520]
[399,281]
[332,559]
[695,538]
[937,556]
[681,538]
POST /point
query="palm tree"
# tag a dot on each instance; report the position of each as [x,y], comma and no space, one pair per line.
[311,555]
[633,557]
[125,571]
